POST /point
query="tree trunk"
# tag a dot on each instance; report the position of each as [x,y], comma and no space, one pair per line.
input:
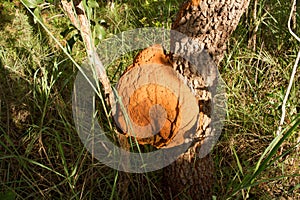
[210,23]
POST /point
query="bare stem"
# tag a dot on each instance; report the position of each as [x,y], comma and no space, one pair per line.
[293,73]
[80,21]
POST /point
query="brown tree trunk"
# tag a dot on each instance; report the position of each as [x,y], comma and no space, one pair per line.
[210,23]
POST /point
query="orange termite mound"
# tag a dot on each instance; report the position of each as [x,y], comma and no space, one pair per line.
[154,98]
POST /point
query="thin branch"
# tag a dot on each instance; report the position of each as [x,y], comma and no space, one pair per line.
[290,20]
[293,73]
[80,21]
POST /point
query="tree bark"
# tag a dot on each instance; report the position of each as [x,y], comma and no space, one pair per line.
[209,23]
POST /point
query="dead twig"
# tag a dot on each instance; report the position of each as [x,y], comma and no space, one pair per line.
[286,97]
[76,14]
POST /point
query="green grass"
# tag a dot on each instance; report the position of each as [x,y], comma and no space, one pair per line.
[42,157]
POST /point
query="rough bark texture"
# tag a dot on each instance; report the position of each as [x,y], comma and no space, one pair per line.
[210,23]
